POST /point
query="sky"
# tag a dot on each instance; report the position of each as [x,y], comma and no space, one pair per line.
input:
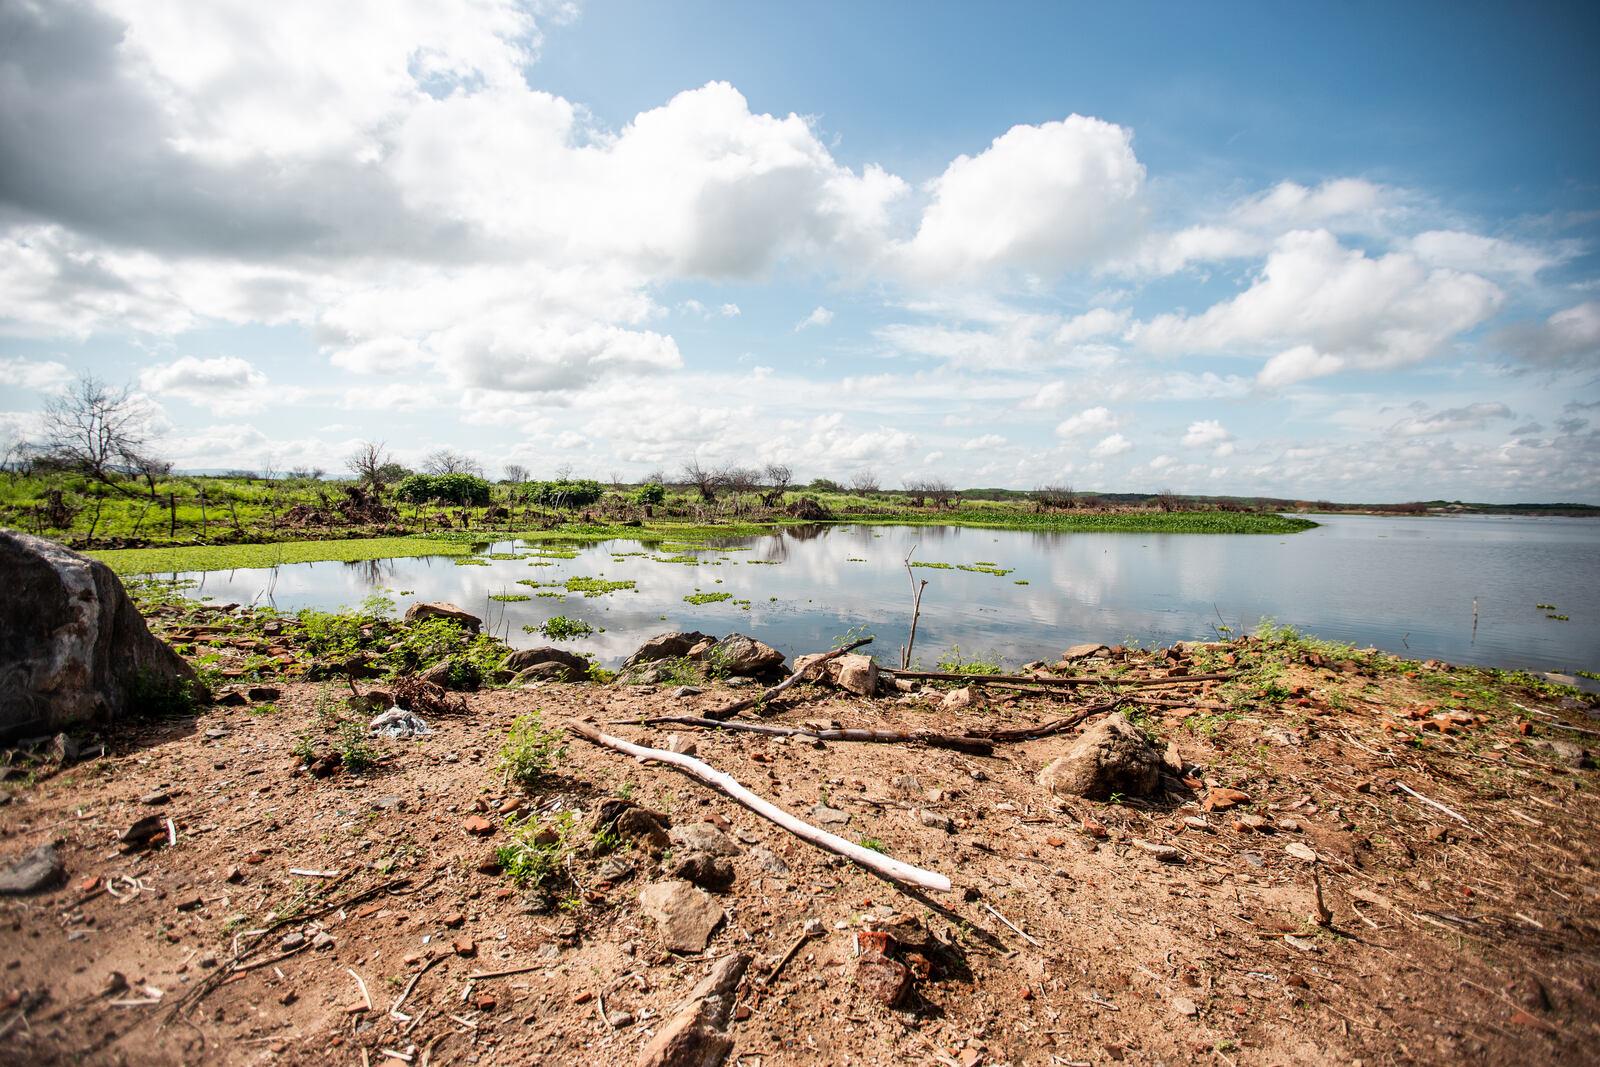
[1341,252]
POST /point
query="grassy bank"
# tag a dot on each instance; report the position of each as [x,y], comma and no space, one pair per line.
[240,510]
[178,559]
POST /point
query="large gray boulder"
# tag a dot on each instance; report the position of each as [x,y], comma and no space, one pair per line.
[669,645]
[523,658]
[73,648]
[741,654]
[439,609]
[1113,756]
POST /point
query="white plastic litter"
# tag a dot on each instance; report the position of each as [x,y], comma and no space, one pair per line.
[398,722]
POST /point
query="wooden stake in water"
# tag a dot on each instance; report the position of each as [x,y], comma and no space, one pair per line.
[1474,620]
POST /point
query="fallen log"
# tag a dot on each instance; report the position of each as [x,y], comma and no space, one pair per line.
[884,866]
[749,702]
[979,746]
[1047,729]
[1024,679]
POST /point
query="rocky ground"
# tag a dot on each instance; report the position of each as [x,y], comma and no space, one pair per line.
[230,892]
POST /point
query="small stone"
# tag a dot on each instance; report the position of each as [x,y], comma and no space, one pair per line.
[1300,851]
[464,947]
[454,920]
[1194,822]
[322,940]
[478,826]
[687,691]
[1164,853]
[292,940]
[115,983]
[957,699]
[618,1019]
[32,872]
[682,744]
[686,916]
[703,837]
[158,796]
[1185,1006]
[1223,799]
[907,785]
[936,821]
[1255,823]
[829,816]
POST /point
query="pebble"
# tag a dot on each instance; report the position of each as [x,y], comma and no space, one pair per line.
[159,796]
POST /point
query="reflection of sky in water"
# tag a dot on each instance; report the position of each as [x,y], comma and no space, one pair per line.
[1402,584]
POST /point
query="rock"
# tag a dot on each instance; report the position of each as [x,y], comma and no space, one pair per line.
[682,744]
[687,691]
[1077,652]
[1172,759]
[438,674]
[1300,851]
[614,869]
[687,916]
[1164,853]
[155,797]
[701,868]
[907,785]
[669,645]
[853,673]
[829,816]
[73,648]
[523,658]
[438,609]
[1223,799]
[936,821]
[740,654]
[643,826]
[769,861]
[703,837]
[260,693]
[231,698]
[694,1037]
[63,749]
[957,698]
[549,672]
[1185,1006]
[478,826]
[32,872]
[1111,757]
[882,979]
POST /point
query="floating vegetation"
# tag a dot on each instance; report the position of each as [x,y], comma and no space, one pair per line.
[706,598]
[552,553]
[246,557]
[551,594]
[764,562]
[1591,675]
[561,628]
[1545,607]
[686,560]
[1558,618]
[986,568]
[854,559]
[1019,581]
[509,598]
[936,566]
[984,563]
[594,586]
[505,555]
[534,583]
[472,561]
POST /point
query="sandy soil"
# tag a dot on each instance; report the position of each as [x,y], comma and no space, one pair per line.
[1472,934]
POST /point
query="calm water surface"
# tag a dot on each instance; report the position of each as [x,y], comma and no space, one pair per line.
[1407,585]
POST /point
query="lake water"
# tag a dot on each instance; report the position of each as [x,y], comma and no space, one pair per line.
[1407,585]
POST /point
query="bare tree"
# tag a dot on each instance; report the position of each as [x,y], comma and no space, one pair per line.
[655,477]
[703,480]
[516,472]
[1057,497]
[367,463]
[864,481]
[1168,500]
[444,461]
[96,429]
[778,478]
[564,472]
[940,491]
[916,490]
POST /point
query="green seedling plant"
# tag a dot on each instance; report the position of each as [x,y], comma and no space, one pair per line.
[530,752]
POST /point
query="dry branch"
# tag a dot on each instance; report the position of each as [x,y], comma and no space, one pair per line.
[749,702]
[1028,679]
[885,867]
[979,746]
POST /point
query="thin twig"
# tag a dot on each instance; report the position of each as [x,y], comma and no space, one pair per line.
[1434,804]
[1015,928]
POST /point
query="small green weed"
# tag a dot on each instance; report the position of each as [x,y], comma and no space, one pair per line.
[530,751]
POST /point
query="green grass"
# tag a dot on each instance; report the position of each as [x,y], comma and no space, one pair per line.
[954,663]
[530,751]
[241,557]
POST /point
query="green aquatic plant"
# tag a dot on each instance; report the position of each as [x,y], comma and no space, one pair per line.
[592,587]
[707,598]
[509,598]
[561,628]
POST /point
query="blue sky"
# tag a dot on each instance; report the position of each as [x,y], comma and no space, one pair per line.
[1340,252]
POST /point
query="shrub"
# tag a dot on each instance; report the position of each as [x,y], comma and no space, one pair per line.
[461,489]
[530,751]
[650,493]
